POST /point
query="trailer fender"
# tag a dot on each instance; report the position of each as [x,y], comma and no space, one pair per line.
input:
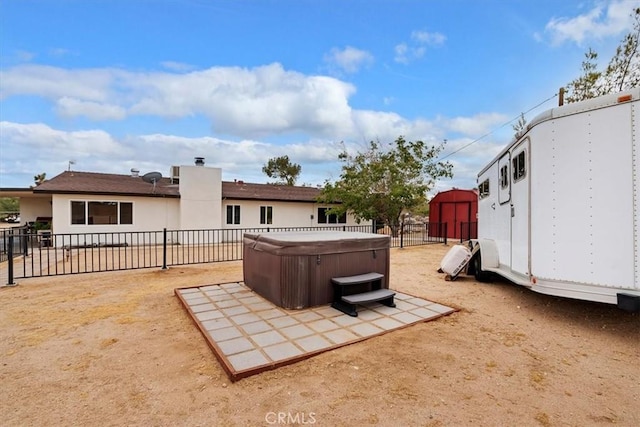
[489,258]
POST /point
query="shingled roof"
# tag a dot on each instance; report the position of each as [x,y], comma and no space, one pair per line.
[268,192]
[72,182]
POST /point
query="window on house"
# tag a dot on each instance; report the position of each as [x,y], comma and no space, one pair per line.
[126,213]
[78,213]
[233,214]
[101,213]
[324,218]
[504,176]
[483,189]
[266,214]
[519,166]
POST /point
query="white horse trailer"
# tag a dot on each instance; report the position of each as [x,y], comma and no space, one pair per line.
[559,207]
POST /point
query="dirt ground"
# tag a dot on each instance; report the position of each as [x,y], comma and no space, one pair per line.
[119,349]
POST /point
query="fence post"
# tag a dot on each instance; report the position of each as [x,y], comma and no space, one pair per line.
[24,239]
[402,234]
[164,248]
[445,233]
[10,281]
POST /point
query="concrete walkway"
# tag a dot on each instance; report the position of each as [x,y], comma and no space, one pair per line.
[249,334]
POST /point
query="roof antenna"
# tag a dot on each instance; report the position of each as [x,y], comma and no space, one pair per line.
[71,162]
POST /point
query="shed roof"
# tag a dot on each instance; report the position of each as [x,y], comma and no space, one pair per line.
[455,195]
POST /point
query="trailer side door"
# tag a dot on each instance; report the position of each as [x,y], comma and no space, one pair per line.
[520,213]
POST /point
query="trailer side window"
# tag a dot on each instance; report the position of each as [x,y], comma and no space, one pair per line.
[519,166]
[504,177]
[483,189]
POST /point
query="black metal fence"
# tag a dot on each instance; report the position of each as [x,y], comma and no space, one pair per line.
[16,242]
[468,231]
[40,254]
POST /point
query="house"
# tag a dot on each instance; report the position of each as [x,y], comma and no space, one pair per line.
[193,198]
[458,209]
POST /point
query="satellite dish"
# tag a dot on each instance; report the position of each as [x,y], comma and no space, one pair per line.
[151,177]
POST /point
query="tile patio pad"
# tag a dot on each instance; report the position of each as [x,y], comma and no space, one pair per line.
[249,334]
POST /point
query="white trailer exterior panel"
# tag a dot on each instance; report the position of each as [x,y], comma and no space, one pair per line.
[561,213]
[582,200]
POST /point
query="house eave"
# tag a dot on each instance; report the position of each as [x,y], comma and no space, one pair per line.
[106,193]
[267,199]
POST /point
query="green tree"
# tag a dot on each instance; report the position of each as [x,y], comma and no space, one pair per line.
[9,205]
[588,85]
[384,183]
[521,125]
[40,178]
[282,169]
[623,71]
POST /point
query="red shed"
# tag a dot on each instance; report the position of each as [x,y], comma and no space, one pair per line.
[458,209]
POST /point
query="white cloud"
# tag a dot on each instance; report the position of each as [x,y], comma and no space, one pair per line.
[349,60]
[55,83]
[247,103]
[406,53]
[475,126]
[22,140]
[401,51]
[59,52]
[177,66]
[238,101]
[24,56]
[600,22]
[33,148]
[71,107]
[431,39]
[386,127]
[469,158]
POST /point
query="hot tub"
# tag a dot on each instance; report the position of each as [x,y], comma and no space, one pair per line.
[294,269]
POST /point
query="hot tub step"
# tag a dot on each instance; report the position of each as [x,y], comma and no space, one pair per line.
[347,303]
[371,296]
[356,280]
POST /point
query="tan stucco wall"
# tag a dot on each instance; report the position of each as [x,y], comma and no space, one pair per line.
[285,214]
[149,214]
[31,208]
[200,197]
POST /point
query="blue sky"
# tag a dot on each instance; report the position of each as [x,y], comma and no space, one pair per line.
[118,84]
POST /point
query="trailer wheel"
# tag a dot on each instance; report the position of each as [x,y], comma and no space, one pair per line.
[480,275]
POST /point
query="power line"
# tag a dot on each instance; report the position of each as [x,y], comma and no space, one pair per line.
[498,128]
